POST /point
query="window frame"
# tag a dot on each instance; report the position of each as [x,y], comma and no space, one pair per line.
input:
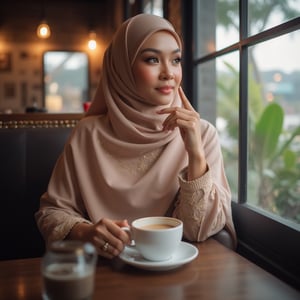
[268,240]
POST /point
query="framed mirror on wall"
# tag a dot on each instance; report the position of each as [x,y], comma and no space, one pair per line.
[66,81]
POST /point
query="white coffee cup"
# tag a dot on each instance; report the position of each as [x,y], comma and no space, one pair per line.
[156,238]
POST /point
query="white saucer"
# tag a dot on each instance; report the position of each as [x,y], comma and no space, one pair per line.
[184,254]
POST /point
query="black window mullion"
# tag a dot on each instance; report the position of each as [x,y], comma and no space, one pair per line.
[188,67]
[243,103]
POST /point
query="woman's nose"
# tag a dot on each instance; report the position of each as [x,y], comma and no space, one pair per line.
[166,74]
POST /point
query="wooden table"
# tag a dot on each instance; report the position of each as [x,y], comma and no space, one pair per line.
[217,273]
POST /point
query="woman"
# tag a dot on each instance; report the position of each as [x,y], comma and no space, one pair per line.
[141,150]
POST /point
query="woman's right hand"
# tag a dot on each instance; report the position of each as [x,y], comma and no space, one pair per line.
[106,235]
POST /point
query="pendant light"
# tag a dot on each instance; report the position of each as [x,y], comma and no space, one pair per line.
[43,30]
[92,43]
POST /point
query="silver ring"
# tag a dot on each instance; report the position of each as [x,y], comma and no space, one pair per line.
[105,246]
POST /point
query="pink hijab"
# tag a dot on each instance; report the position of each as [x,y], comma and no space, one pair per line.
[139,162]
[116,93]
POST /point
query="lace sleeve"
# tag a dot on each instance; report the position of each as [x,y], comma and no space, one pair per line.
[200,207]
[56,224]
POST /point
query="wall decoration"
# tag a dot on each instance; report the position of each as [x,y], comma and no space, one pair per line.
[36,72]
[5,61]
[9,90]
[24,55]
[37,87]
[24,93]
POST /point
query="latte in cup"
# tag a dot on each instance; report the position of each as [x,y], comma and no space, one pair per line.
[157,238]
[157,226]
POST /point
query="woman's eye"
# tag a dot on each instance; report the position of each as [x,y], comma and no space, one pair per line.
[177,60]
[151,60]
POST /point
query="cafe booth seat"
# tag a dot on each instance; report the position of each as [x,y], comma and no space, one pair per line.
[27,156]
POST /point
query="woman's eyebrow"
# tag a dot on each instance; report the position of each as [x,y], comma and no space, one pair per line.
[158,51]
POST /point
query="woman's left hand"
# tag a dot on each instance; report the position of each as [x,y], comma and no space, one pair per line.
[188,121]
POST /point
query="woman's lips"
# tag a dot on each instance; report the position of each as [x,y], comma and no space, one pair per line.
[165,90]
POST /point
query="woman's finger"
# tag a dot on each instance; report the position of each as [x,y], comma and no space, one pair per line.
[186,103]
[113,235]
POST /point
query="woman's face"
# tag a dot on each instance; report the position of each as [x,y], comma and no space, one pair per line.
[157,69]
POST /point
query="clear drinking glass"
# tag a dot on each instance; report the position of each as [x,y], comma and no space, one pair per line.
[68,271]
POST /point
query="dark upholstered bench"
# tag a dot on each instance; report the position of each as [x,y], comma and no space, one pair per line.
[28,152]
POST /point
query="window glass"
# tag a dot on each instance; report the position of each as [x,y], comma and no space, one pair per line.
[216,26]
[274,126]
[206,90]
[266,14]
[227,121]
[227,32]
[65,81]
[218,103]
[154,7]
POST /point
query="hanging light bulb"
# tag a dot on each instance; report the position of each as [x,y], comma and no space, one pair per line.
[92,44]
[43,31]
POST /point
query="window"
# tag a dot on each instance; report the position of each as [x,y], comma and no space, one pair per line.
[66,81]
[246,82]
[154,7]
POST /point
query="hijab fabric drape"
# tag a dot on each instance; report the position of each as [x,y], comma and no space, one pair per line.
[132,119]
[139,162]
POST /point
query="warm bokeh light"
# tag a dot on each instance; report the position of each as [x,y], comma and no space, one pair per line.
[270,97]
[54,103]
[277,77]
[43,30]
[92,44]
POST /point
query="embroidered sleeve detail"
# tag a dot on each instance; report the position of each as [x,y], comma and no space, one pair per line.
[56,224]
[62,230]
[198,207]
[203,183]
